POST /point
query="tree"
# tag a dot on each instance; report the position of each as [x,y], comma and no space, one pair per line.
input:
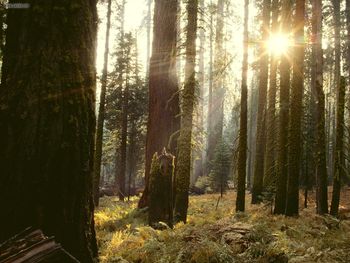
[263,79]
[317,67]
[216,113]
[269,168]
[282,158]
[294,160]
[242,148]
[183,164]
[47,123]
[163,123]
[101,110]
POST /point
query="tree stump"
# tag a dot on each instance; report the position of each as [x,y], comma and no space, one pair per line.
[161,190]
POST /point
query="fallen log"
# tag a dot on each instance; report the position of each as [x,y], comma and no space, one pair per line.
[32,246]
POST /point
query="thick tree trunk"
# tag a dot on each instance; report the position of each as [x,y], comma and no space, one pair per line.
[270,170]
[47,123]
[321,168]
[296,105]
[263,81]
[242,147]
[163,123]
[149,27]
[101,111]
[183,164]
[282,158]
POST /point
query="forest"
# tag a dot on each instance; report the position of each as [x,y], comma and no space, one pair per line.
[174,131]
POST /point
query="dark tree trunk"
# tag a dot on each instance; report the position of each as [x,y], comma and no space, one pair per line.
[163,123]
[101,111]
[296,105]
[242,147]
[339,162]
[282,158]
[47,123]
[183,164]
[321,166]
[261,134]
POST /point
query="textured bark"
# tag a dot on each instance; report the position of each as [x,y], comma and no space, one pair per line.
[282,158]
[101,111]
[183,164]
[160,187]
[242,147]
[217,96]
[163,122]
[296,105]
[339,162]
[263,81]
[47,123]
[270,170]
[321,166]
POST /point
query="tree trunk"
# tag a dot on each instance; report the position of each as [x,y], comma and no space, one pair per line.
[242,147]
[47,123]
[282,158]
[263,79]
[163,123]
[339,157]
[296,105]
[149,27]
[101,111]
[321,168]
[183,164]
[270,171]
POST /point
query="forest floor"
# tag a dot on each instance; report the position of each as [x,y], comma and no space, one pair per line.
[218,235]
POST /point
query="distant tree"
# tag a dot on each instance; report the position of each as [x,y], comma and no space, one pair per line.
[261,125]
[216,117]
[294,140]
[163,122]
[101,110]
[242,148]
[183,164]
[221,167]
[47,123]
[282,158]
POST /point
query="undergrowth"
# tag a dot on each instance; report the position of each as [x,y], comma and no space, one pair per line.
[214,234]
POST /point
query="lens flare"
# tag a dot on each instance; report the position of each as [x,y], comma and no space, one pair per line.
[278,44]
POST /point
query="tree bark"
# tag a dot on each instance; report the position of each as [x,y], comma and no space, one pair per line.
[282,158]
[101,111]
[296,105]
[242,147]
[263,81]
[163,122]
[47,123]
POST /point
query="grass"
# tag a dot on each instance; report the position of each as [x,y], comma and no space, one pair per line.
[215,235]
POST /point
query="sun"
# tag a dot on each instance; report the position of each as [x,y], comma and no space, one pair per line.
[278,44]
